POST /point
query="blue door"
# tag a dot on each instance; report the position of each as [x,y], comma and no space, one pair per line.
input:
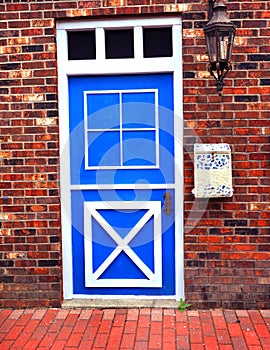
[122,185]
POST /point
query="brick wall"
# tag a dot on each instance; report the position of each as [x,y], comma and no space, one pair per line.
[226,240]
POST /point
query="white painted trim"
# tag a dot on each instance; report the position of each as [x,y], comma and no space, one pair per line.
[64,167]
[118,23]
[102,66]
[124,296]
[92,278]
[122,187]
[179,163]
[119,66]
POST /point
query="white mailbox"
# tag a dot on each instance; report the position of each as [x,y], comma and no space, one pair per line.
[212,171]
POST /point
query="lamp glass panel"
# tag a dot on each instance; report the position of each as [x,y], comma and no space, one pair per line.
[223,45]
[212,46]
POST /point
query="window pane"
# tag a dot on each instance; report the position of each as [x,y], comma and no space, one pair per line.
[157,42]
[139,148]
[139,110]
[103,111]
[81,45]
[119,43]
[104,148]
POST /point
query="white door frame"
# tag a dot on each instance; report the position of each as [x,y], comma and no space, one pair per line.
[103,66]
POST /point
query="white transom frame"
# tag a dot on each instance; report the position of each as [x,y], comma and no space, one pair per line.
[86,129]
[153,279]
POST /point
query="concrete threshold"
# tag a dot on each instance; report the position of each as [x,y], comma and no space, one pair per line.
[120,303]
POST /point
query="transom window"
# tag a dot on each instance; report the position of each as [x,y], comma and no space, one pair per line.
[120,43]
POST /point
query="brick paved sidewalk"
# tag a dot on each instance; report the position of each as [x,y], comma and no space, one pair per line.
[134,329]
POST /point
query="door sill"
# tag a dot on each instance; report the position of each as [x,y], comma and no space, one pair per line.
[120,303]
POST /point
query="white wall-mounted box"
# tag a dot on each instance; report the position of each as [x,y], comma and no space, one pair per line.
[212,171]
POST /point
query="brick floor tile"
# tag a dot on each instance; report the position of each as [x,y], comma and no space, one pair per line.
[194,322]
[169,312]
[230,316]
[181,316]
[16,314]
[39,333]
[23,320]
[265,313]
[145,311]
[142,334]
[219,322]
[262,331]
[114,338]
[156,315]
[245,323]
[64,333]
[217,312]
[142,345]
[195,335]
[32,344]
[59,345]
[101,340]
[127,341]
[84,345]
[155,341]
[6,344]
[182,342]
[90,333]
[85,314]
[208,329]
[22,340]
[225,347]
[143,321]
[181,328]
[255,347]
[255,316]
[14,332]
[74,340]
[105,326]
[193,313]
[31,326]
[119,320]
[74,312]
[48,339]
[239,343]
[169,321]
[223,336]
[62,314]
[156,328]
[251,338]
[197,347]
[130,327]
[48,317]
[265,343]
[39,314]
[210,343]
[132,314]
[108,314]
[56,325]
[7,325]
[168,336]
[241,313]
[235,330]
[71,320]
[80,326]
[4,314]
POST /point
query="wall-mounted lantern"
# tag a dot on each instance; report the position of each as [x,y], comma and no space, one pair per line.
[219,33]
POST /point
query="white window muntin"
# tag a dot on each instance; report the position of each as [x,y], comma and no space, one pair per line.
[120,129]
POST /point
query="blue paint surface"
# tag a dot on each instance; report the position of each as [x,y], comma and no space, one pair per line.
[130,143]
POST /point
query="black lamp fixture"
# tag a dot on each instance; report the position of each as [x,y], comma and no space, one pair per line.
[219,33]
